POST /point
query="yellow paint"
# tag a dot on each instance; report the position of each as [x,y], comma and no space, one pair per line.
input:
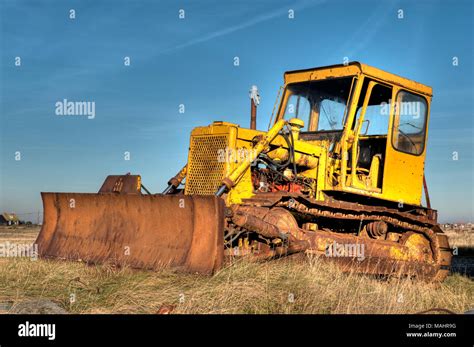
[402,172]
[398,254]
[139,183]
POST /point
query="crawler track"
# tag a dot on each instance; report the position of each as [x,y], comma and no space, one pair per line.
[431,263]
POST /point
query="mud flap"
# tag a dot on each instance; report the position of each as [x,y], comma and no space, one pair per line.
[141,231]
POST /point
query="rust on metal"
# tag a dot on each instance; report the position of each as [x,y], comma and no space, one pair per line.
[377,228]
[256,224]
[427,195]
[180,176]
[253,115]
[121,184]
[421,249]
[175,181]
[344,207]
[141,231]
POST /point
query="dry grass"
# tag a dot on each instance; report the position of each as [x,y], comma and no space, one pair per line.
[282,286]
[461,238]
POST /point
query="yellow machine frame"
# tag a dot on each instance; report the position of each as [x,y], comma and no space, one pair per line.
[402,175]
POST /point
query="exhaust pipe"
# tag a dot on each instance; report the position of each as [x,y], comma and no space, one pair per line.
[254,101]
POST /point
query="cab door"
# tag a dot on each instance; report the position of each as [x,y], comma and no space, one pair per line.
[406,148]
[371,127]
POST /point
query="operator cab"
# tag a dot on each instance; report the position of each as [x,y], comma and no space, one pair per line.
[350,108]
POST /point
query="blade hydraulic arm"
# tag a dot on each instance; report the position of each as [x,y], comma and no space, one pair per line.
[230,181]
[174,182]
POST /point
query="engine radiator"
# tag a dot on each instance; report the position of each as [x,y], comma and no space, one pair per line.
[206,169]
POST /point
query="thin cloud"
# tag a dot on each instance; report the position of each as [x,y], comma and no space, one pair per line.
[367,31]
[254,21]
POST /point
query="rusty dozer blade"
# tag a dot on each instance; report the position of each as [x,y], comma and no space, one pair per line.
[141,231]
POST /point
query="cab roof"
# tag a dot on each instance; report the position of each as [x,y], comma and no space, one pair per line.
[352,69]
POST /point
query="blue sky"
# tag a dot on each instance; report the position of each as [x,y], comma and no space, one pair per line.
[190,61]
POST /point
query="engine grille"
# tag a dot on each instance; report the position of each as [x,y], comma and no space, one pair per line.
[205,170]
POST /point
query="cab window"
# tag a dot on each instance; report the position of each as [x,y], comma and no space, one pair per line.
[409,126]
[321,104]
[377,112]
[331,114]
[298,106]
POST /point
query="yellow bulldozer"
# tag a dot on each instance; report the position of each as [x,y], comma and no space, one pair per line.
[339,175]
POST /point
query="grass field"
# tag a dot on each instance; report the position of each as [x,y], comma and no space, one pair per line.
[291,285]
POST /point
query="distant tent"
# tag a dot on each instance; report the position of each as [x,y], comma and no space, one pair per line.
[9,219]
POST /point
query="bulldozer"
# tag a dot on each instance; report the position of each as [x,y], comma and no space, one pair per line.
[339,175]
